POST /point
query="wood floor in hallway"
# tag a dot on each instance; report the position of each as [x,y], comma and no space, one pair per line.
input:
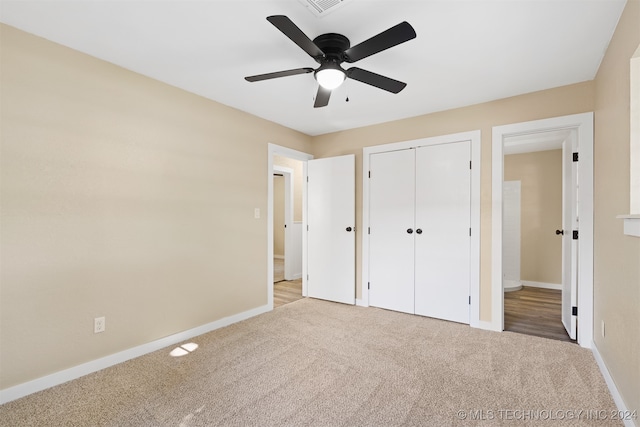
[535,311]
[285,292]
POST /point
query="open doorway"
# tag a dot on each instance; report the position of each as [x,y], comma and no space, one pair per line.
[328,202]
[577,271]
[534,197]
[286,218]
[287,230]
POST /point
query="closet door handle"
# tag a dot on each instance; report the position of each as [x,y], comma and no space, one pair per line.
[349,228]
[558,232]
[419,231]
[410,230]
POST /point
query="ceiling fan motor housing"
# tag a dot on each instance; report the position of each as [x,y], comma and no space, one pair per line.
[333,46]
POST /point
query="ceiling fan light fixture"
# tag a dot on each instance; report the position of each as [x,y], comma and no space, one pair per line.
[330,76]
[332,49]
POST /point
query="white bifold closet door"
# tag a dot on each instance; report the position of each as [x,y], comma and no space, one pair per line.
[443,213]
[391,214]
[419,216]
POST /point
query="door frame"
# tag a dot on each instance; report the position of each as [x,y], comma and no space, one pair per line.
[475,138]
[287,174]
[277,150]
[583,124]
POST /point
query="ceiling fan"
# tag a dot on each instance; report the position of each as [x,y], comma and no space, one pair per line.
[330,50]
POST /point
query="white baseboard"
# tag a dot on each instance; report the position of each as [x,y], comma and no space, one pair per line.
[487,326]
[278,256]
[617,397]
[361,303]
[542,285]
[297,276]
[42,383]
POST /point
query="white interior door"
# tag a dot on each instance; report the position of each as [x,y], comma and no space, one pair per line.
[443,221]
[331,233]
[569,245]
[391,247]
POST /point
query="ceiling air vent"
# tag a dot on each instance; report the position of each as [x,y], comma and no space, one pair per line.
[322,7]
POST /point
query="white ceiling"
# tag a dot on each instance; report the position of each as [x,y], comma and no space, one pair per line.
[466,52]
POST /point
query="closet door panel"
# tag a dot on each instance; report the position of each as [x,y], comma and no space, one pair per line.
[391,214]
[443,214]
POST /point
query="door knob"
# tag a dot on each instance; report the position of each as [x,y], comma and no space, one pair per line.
[558,232]
[419,231]
[349,228]
[409,230]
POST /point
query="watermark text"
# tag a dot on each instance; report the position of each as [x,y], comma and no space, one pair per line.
[545,414]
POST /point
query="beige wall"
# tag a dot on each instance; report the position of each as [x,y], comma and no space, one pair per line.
[561,101]
[278,215]
[540,174]
[296,166]
[121,197]
[617,257]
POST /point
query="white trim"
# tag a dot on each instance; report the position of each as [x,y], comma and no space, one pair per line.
[583,123]
[476,144]
[488,326]
[278,150]
[42,383]
[475,139]
[361,303]
[634,133]
[556,286]
[631,225]
[617,397]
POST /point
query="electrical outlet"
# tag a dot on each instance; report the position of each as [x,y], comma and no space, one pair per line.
[603,329]
[99,324]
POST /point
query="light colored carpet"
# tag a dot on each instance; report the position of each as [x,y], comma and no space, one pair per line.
[316,363]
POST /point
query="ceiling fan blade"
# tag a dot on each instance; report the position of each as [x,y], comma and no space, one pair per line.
[392,37]
[277,74]
[322,98]
[376,80]
[290,30]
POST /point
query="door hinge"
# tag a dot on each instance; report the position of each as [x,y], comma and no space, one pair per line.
[368,285]
[469,299]
[307,178]
[469,231]
[285,226]
[307,227]
[574,311]
[575,157]
[469,164]
[368,230]
[575,234]
[307,277]
[369,174]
